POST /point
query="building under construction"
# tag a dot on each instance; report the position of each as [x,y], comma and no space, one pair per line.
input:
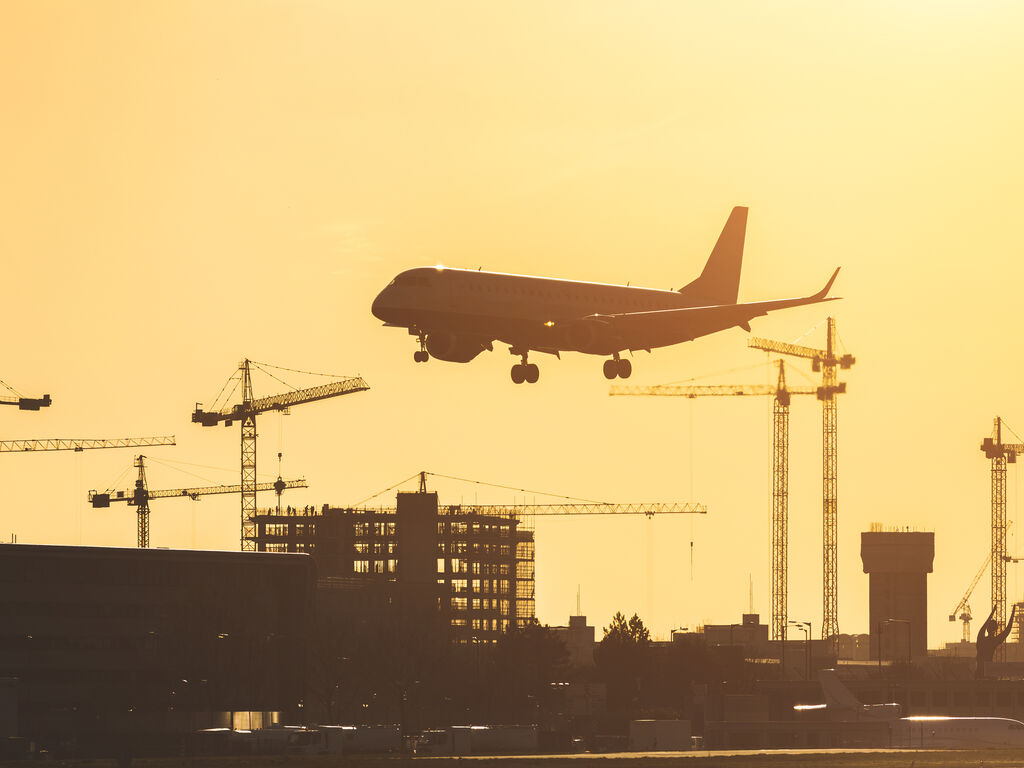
[474,565]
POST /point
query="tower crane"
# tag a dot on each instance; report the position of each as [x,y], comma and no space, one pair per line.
[1000,454]
[963,608]
[245,412]
[140,495]
[780,471]
[828,361]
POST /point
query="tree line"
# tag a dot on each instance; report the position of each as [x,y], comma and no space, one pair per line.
[386,670]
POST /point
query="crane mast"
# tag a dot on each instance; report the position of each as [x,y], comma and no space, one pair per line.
[830,489]
[779,571]
[828,362]
[142,508]
[248,455]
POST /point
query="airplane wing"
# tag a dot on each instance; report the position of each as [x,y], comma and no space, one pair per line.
[641,330]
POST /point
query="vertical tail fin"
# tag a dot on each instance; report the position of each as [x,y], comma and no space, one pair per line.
[719,283]
[836,694]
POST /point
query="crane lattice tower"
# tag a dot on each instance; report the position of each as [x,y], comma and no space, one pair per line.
[1000,454]
[828,361]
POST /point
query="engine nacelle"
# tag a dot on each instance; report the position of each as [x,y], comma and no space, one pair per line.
[452,348]
[589,335]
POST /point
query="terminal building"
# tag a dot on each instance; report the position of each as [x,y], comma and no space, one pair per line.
[474,565]
[108,646]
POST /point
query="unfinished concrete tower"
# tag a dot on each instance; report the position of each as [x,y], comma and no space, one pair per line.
[898,564]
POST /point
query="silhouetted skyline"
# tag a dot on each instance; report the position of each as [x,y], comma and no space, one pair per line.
[189,185]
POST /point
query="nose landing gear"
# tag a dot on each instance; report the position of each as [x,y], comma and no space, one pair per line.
[617,367]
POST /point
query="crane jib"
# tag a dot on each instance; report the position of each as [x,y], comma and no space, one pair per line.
[278,402]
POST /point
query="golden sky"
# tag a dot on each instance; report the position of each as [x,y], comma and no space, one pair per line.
[188,183]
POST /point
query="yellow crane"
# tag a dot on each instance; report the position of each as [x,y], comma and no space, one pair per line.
[963,608]
[246,411]
[140,495]
[828,361]
[779,570]
[1000,454]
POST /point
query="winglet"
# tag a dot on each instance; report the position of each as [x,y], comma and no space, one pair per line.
[828,286]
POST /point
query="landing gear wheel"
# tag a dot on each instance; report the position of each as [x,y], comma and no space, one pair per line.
[611,369]
[532,373]
[518,373]
[624,368]
[422,355]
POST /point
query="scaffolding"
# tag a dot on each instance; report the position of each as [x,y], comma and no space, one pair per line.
[481,563]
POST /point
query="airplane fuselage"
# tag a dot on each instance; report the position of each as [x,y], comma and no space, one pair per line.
[958,732]
[534,312]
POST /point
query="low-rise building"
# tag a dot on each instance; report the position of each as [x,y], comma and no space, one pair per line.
[133,647]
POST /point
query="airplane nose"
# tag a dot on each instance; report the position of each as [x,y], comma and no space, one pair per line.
[378,305]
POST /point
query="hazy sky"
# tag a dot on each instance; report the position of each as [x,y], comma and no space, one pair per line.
[188,183]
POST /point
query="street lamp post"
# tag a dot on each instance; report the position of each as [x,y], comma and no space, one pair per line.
[805,627]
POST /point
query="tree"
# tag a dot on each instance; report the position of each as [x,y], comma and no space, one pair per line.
[622,658]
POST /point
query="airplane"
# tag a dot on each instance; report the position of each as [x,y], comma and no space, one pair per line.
[458,313]
[917,730]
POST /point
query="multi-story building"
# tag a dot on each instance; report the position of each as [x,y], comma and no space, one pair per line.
[472,564]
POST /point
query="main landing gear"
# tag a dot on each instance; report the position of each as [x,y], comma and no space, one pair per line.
[421,355]
[524,371]
[617,367]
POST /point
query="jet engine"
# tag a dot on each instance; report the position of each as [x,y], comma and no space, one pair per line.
[589,335]
[454,349]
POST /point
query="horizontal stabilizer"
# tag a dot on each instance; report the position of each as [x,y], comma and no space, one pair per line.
[695,322]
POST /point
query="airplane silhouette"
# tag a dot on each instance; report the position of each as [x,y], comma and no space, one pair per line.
[457,313]
[916,730]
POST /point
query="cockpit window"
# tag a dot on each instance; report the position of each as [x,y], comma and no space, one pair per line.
[412,280]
